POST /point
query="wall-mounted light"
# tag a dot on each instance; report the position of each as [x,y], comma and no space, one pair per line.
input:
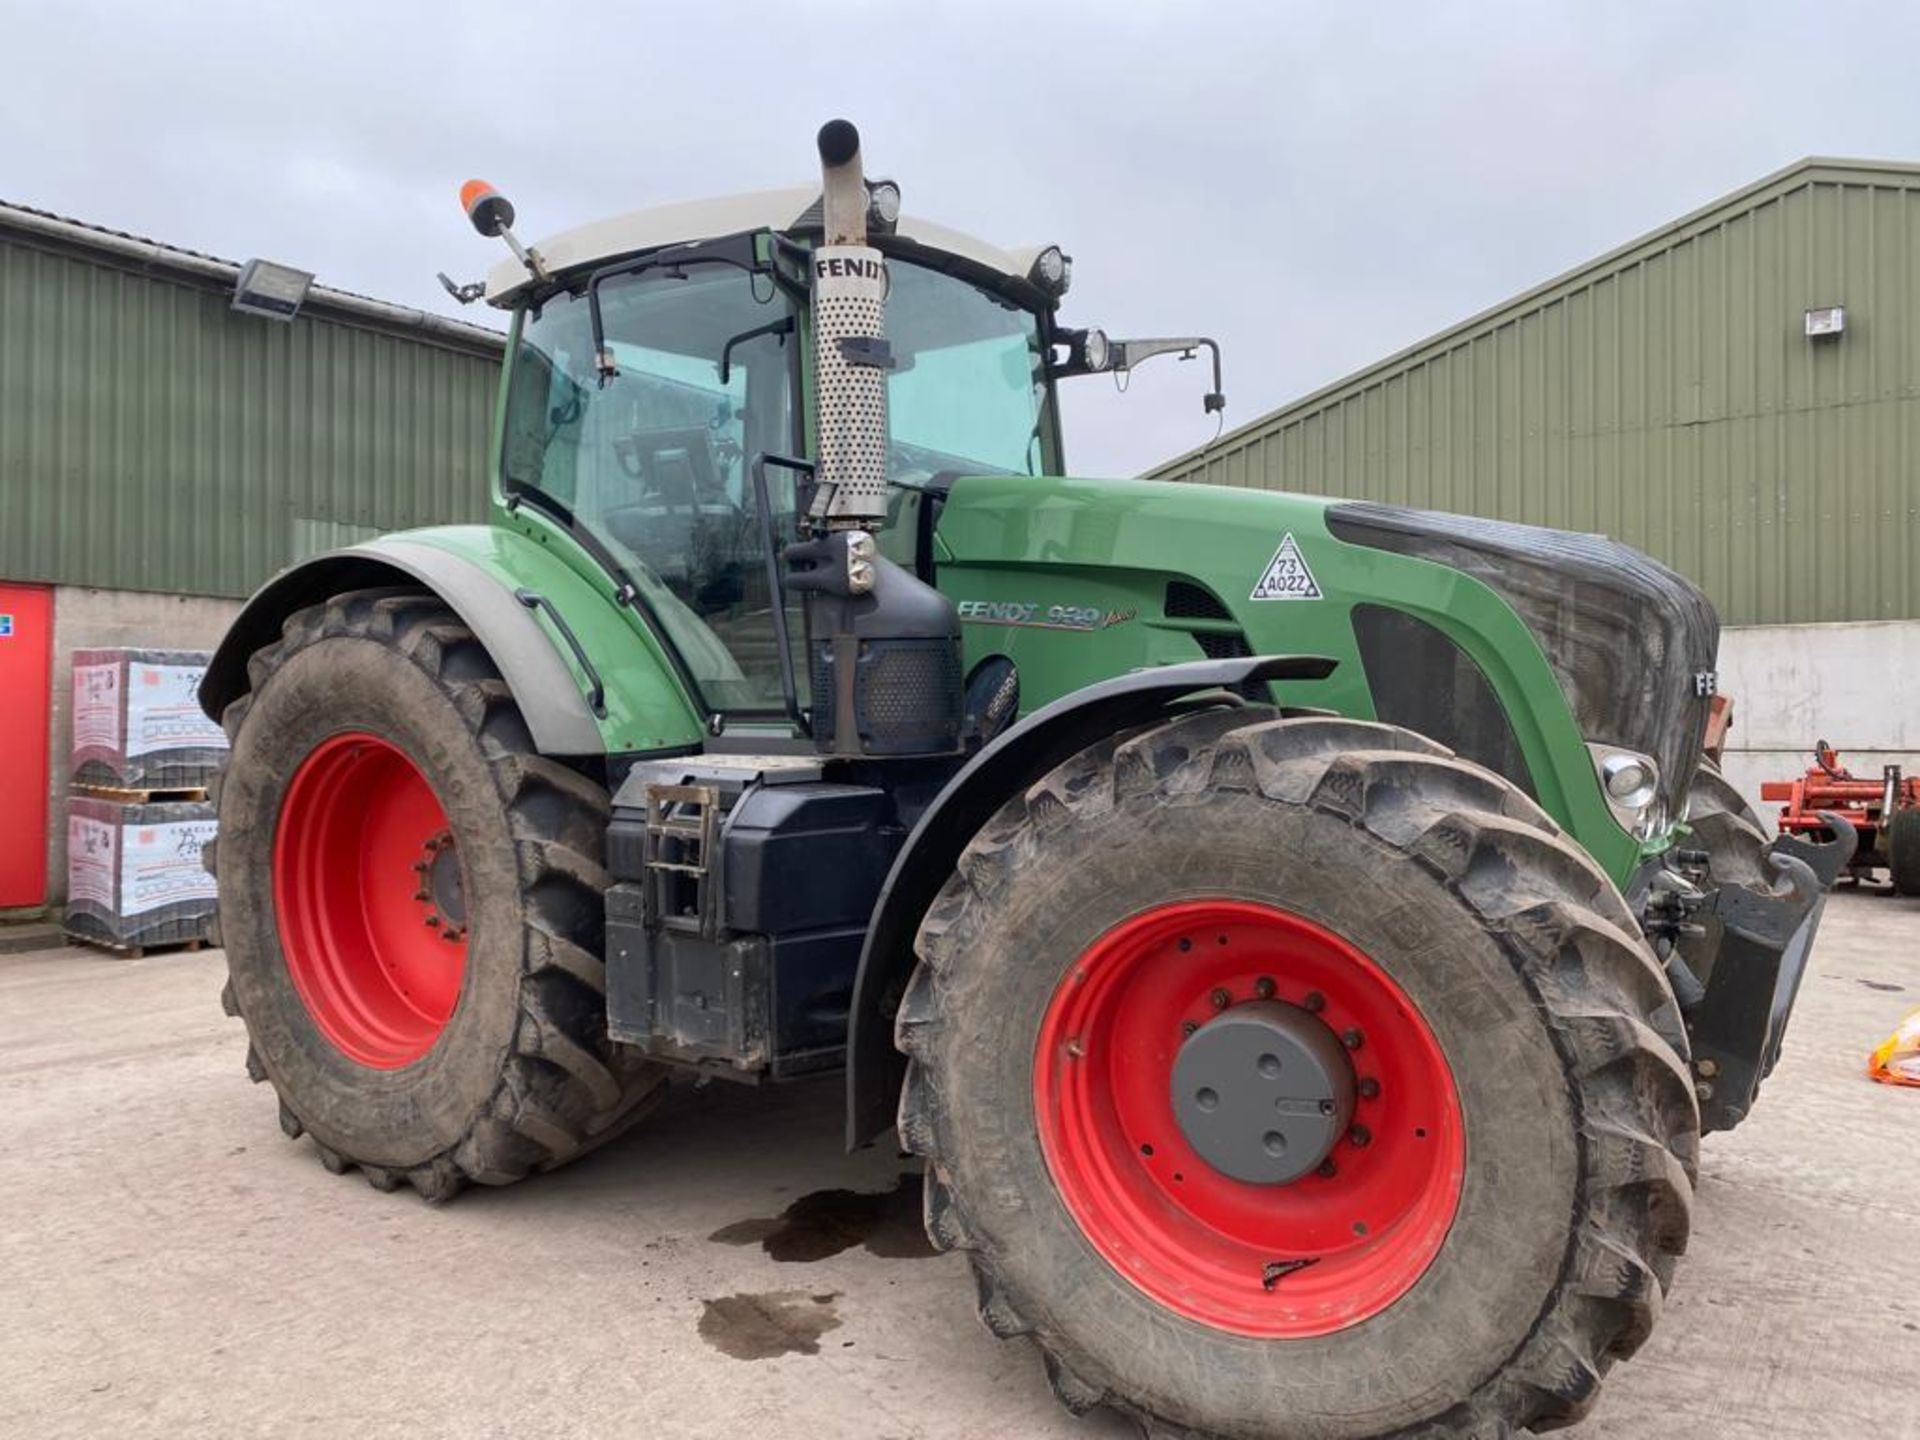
[275,291]
[1826,322]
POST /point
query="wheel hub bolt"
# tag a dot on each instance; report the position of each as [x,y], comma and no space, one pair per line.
[1327,1170]
[1360,1136]
[1187,1027]
[1369,1089]
[1263,987]
[1352,1038]
[1221,999]
[1315,1001]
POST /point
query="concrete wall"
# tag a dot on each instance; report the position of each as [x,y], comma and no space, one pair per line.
[1854,685]
[84,618]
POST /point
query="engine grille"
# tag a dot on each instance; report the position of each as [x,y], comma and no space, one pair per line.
[1628,639]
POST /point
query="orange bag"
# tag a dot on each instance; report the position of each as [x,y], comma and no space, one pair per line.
[1898,1061]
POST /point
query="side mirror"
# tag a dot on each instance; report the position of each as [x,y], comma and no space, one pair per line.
[1090,352]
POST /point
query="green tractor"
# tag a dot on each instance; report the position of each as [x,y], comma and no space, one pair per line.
[1300,936]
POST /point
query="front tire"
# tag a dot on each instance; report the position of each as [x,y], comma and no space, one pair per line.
[411,905]
[1502,1217]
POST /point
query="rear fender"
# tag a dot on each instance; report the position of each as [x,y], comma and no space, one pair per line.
[477,571]
[1015,758]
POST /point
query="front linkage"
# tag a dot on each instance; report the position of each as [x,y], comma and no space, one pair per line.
[1734,923]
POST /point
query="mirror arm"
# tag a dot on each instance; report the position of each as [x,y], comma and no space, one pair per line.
[1128,354]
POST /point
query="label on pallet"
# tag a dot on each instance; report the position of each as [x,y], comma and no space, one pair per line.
[96,705]
[92,858]
[160,865]
[163,710]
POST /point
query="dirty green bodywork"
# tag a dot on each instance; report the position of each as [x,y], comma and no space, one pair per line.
[647,709]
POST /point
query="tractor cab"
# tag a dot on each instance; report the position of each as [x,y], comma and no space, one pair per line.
[655,355]
[643,384]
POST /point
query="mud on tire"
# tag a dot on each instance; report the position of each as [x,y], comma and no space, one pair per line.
[522,1078]
[1558,1024]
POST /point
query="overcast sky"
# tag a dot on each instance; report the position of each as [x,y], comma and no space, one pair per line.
[1315,185]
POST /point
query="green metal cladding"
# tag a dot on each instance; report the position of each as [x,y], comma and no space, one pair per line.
[1667,395]
[151,438]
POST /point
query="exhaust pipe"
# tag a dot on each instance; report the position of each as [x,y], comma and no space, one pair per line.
[884,646]
[851,359]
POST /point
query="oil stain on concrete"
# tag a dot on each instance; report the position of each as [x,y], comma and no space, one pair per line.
[760,1327]
[827,1222]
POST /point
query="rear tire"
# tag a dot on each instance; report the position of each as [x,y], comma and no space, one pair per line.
[1513,952]
[415,1058]
[1903,850]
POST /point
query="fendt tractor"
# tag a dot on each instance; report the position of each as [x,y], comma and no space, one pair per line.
[1300,936]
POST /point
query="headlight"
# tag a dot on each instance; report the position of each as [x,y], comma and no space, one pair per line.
[1052,270]
[1095,350]
[1631,783]
[883,204]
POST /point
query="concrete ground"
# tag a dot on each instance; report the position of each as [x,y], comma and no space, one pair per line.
[171,1266]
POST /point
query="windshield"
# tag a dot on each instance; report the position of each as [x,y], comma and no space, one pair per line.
[651,463]
[970,396]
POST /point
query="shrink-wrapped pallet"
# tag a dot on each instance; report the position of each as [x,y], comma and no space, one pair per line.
[137,724]
[135,876]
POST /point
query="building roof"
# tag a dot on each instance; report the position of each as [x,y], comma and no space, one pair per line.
[783,209]
[1809,171]
[126,250]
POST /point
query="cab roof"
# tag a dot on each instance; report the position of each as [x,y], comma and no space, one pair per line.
[793,208]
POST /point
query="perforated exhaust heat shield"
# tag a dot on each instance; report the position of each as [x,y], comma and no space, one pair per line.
[849,316]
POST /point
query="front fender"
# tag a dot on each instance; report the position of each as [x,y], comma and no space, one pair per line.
[476,569]
[1016,757]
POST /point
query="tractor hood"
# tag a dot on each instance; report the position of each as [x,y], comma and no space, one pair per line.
[1518,647]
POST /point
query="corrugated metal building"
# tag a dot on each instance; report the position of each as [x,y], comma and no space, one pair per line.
[154,438]
[162,453]
[1668,394]
[1672,394]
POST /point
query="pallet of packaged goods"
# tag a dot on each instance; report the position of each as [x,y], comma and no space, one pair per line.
[138,731]
[135,876]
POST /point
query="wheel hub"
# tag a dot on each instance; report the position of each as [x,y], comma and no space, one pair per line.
[440,886]
[1263,1092]
[368,900]
[1183,1192]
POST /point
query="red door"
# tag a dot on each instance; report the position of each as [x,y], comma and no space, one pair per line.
[26,693]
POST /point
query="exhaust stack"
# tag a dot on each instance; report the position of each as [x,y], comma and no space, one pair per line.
[851,359]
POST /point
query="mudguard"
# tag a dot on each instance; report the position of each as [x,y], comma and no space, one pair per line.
[543,684]
[1018,756]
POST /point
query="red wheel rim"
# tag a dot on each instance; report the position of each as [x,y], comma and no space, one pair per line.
[1196,1240]
[370,901]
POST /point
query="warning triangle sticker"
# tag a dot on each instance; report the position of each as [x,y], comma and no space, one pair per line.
[1287,576]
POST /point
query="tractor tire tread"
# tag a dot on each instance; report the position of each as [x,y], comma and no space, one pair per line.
[565,1087]
[1558,917]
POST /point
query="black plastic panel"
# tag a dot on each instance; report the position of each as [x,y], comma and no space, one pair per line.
[1626,636]
[1420,679]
